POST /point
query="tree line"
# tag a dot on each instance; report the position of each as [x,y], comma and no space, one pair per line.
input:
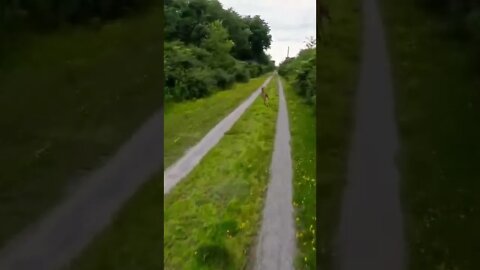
[301,71]
[208,48]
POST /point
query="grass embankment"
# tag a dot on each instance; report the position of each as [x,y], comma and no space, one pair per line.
[210,218]
[303,141]
[438,114]
[338,63]
[67,101]
[187,122]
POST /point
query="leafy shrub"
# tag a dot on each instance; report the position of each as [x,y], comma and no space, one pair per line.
[223,79]
[186,75]
[241,73]
[195,84]
[302,72]
[306,79]
[254,69]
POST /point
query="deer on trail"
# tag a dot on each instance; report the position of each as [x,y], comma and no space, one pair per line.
[265,97]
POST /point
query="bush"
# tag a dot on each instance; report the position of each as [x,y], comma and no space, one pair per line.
[223,79]
[302,71]
[255,69]
[197,83]
[186,75]
[306,78]
[241,73]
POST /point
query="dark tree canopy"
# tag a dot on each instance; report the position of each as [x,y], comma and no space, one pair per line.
[302,71]
[187,21]
[209,47]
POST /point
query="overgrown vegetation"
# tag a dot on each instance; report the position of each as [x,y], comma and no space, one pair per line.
[303,140]
[301,71]
[436,69]
[213,225]
[209,48]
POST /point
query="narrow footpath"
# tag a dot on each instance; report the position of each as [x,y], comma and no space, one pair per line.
[371,235]
[275,249]
[181,168]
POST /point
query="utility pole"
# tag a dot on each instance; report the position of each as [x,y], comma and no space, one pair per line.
[288,51]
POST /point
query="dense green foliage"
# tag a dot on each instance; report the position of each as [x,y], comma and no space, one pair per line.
[209,48]
[302,72]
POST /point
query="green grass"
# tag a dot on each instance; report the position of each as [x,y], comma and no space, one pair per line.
[187,122]
[303,141]
[214,212]
[67,100]
[217,208]
[438,116]
[338,62]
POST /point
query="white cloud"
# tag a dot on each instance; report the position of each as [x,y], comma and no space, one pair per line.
[290,21]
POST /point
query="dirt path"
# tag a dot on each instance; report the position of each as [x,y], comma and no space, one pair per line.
[63,233]
[371,230]
[181,168]
[275,249]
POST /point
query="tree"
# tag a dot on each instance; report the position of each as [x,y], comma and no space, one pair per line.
[218,43]
[239,33]
[217,39]
[260,39]
[311,42]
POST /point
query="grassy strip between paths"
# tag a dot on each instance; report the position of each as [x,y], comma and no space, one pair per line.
[303,141]
[67,101]
[187,122]
[438,114]
[337,65]
[210,218]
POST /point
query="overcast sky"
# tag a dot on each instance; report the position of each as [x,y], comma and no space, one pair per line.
[290,21]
